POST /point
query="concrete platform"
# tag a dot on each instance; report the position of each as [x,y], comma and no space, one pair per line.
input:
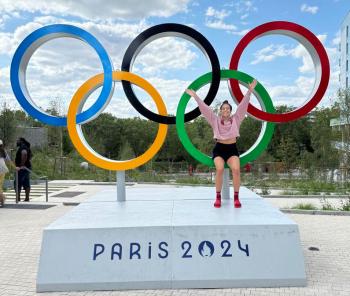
[170,239]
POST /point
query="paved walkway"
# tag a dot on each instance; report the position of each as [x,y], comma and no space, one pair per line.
[328,270]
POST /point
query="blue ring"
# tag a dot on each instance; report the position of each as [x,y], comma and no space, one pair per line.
[65,30]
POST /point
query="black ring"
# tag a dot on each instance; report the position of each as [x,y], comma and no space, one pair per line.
[166,30]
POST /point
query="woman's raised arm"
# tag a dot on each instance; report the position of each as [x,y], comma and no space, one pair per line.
[243,105]
[209,115]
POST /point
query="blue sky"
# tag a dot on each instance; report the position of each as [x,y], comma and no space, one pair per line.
[59,67]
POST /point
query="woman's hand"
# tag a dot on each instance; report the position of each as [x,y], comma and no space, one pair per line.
[191,92]
[252,85]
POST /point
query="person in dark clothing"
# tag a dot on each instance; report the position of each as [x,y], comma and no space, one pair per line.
[23,167]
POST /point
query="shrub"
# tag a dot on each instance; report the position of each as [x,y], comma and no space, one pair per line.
[345,204]
[326,205]
[304,206]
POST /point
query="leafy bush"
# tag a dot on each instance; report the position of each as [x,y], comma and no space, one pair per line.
[304,206]
[265,191]
[345,204]
[326,205]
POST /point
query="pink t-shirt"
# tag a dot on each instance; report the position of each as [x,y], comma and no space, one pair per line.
[230,128]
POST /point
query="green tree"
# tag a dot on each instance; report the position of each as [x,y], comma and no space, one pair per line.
[126,152]
[288,151]
[7,124]
[249,133]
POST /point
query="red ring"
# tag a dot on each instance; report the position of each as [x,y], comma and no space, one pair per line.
[325,70]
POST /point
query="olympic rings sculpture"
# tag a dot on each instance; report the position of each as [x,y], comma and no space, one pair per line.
[75,117]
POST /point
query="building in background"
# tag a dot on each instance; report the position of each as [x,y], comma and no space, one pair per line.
[343,122]
[37,136]
[344,53]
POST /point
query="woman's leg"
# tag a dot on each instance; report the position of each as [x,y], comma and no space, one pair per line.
[219,165]
[234,164]
[2,196]
[2,178]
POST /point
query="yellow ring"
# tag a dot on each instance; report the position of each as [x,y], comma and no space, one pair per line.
[79,140]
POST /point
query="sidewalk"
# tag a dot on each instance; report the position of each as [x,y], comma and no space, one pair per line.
[328,270]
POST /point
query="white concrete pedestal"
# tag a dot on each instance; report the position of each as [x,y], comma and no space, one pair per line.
[171,237]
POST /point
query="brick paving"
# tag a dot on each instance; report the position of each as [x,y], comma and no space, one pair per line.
[328,270]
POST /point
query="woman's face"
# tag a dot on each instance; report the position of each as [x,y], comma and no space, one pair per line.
[225,110]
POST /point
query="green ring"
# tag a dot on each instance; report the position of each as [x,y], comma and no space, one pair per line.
[265,135]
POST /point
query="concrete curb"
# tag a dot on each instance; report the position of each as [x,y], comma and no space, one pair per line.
[315,212]
[305,196]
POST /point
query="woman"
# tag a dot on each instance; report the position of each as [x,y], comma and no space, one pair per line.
[23,167]
[3,170]
[226,130]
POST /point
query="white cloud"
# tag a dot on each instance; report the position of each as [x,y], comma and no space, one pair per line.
[166,53]
[219,14]
[218,24]
[111,9]
[6,43]
[215,20]
[294,94]
[269,53]
[60,66]
[300,52]
[240,33]
[298,92]
[242,6]
[273,51]
[115,36]
[243,10]
[170,90]
[3,19]
[309,9]
[244,16]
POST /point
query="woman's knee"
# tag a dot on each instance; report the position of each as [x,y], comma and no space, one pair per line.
[235,171]
[220,170]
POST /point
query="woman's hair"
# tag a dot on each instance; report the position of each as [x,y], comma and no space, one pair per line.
[226,103]
[2,152]
[26,145]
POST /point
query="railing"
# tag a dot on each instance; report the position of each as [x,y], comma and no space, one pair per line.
[38,178]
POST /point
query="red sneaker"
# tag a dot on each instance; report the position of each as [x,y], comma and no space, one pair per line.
[237,203]
[236,200]
[217,203]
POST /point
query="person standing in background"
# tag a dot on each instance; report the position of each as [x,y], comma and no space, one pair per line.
[3,171]
[23,168]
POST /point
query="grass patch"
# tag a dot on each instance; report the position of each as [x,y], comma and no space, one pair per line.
[289,192]
[304,206]
[265,191]
[136,176]
[192,180]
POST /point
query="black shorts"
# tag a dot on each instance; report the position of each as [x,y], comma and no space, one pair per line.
[23,180]
[225,150]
